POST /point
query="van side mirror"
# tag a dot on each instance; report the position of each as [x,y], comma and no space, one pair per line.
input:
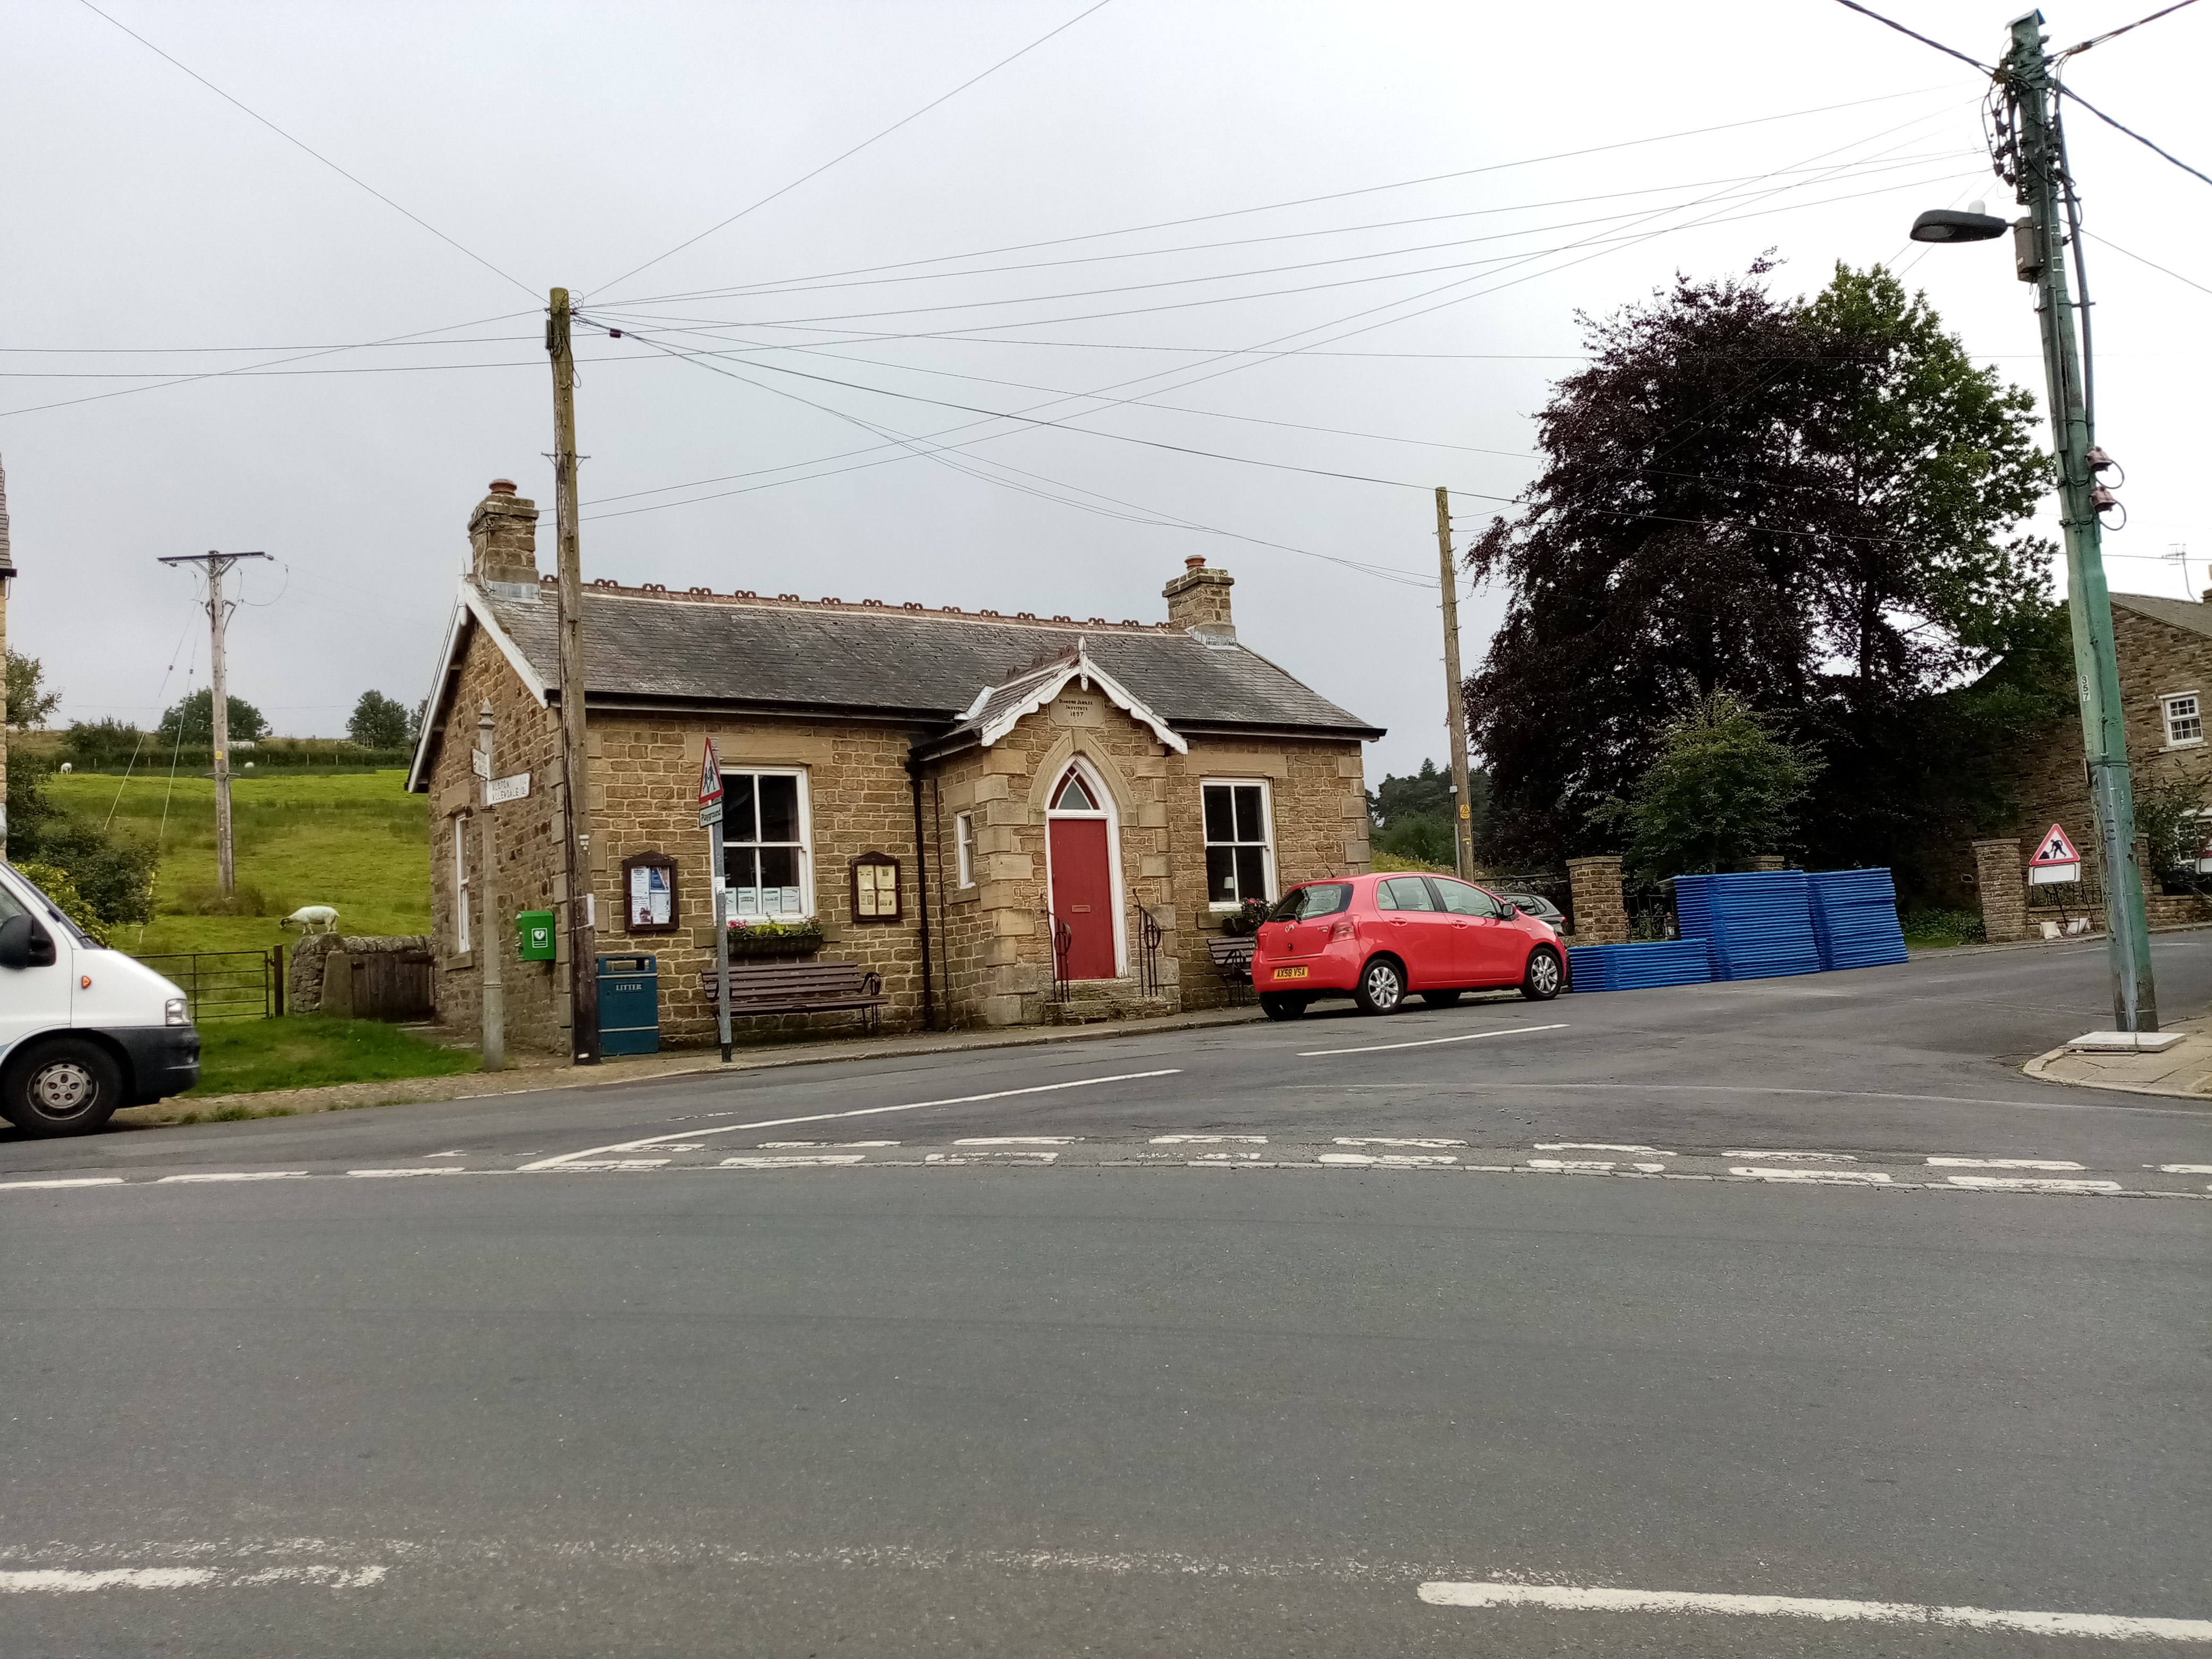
[24,943]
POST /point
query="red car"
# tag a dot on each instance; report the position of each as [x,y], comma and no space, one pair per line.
[1376,939]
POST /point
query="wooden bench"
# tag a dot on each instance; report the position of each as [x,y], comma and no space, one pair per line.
[798,987]
[1232,960]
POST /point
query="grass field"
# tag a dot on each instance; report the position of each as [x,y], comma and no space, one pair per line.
[241,1056]
[357,841]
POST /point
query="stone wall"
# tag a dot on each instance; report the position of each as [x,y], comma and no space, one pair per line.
[1601,909]
[2000,879]
[303,975]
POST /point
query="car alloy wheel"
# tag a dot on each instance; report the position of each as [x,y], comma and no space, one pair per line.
[1541,983]
[1382,988]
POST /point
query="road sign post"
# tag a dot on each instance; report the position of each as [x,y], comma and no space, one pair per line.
[710,820]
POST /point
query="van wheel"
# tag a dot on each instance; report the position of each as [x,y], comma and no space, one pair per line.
[1542,981]
[1382,988]
[1282,1007]
[64,1087]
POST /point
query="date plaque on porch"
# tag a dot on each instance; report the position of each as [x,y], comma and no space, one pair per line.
[875,888]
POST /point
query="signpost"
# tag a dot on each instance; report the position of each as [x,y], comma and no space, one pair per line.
[710,820]
[500,791]
[2057,860]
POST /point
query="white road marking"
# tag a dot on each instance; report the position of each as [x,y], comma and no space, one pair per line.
[1386,1160]
[1379,1140]
[1609,1146]
[436,1168]
[243,1174]
[1019,1140]
[1573,1165]
[1226,1158]
[618,1164]
[1828,1177]
[991,1157]
[74,1180]
[1579,1598]
[1208,1141]
[2183,1168]
[60,1581]
[1792,1157]
[796,1161]
[1430,1042]
[2017,1184]
[770,1145]
[568,1159]
[1652,1168]
[2000,1164]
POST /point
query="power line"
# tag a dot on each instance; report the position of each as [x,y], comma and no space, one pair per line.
[318,154]
[2068,92]
[1337,195]
[2153,263]
[2098,41]
[1100,6]
[1922,38]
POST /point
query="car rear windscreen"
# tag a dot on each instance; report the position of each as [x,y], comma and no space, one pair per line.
[1323,898]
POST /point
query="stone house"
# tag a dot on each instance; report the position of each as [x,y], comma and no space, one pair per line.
[946,794]
[2165,654]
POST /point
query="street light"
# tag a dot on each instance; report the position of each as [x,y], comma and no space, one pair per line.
[2031,156]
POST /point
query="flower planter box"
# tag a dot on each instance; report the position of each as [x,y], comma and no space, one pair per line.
[747,945]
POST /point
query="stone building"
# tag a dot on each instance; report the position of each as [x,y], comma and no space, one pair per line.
[944,793]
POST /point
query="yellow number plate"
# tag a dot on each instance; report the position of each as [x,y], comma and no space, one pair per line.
[1289,973]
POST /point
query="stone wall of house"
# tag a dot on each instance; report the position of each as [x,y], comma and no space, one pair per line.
[2157,659]
[1317,795]
[532,844]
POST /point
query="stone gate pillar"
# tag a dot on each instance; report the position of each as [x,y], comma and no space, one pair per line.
[1601,911]
[2002,881]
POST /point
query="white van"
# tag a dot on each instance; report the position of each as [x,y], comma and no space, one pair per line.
[83,1031]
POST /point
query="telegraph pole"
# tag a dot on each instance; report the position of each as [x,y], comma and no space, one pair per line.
[2040,245]
[1455,696]
[576,787]
[493,985]
[226,868]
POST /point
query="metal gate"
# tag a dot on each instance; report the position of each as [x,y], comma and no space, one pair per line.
[226,984]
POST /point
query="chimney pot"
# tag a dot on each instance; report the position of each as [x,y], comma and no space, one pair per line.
[1196,561]
[502,486]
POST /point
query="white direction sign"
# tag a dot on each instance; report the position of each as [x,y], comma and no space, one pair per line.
[480,764]
[499,790]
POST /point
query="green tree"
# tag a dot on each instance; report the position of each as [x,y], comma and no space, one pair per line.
[1411,816]
[1725,788]
[115,877]
[378,723]
[91,745]
[28,702]
[192,721]
[55,883]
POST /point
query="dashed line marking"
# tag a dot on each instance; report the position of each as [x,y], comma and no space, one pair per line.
[1381,1141]
[1388,1160]
[1609,1146]
[1579,1598]
[240,1174]
[2024,1184]
[1791,1157]
[793,1161]
[1573,1165]
[569,1160]
[381,1175]
[1815,1177]
[60,1581]
[1430,1042]
[1208,1141]
[2001,1164]
[73,1180]
[991,1157]
[770,1145]
[2181,1169]
[1019,1140]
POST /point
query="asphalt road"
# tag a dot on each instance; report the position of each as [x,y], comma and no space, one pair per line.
[1126,1346]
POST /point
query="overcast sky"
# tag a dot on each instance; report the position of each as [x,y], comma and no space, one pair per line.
[154,229]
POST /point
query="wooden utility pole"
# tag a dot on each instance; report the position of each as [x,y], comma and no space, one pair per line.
[576,785]
[1455,696]
[226,868]
[494,933]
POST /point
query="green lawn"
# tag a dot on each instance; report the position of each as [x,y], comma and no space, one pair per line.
[357,841]
[247,1056]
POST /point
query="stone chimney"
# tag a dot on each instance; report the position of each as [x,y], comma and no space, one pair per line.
[503,537]
[1198,601]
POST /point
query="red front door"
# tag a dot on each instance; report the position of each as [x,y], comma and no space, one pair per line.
[1083,896]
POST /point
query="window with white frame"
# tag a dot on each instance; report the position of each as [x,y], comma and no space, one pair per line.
[765,845]
[963,847]
[1240,853]
[2185,719]
[461,886]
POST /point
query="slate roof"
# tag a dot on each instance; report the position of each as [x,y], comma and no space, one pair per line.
[2176,613]
[656,649]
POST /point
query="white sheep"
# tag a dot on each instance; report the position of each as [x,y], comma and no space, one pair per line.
[68,766]
[312,918]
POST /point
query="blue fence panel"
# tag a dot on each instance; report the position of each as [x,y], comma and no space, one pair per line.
[1759,923]
[1640,967]
[1854,919]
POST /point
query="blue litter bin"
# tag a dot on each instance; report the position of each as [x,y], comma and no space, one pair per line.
[629,1005]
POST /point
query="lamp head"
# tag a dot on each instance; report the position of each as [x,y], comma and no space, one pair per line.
[1951,225]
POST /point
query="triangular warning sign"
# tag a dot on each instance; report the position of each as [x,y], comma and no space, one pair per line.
[2056,849]
[710,775]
